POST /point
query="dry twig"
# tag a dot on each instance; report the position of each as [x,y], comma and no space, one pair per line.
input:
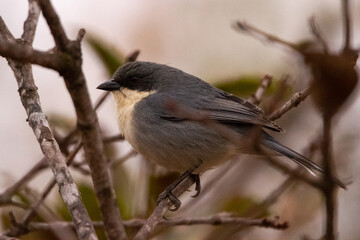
[37,121]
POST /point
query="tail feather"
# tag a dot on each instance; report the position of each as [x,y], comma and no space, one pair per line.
[296,157]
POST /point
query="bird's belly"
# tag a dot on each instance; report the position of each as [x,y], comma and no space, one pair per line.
[182,148]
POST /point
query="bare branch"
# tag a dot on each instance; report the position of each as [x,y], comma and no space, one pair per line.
[316,31]
[329,188]
[347,25]
[33,209]
[31,22]
[294,101]
[53,21]
[19,51]
[218,219]
[115,138]
[37,121]
[161,209]
[87,123]
[258,95]
[261,35]
[132,56]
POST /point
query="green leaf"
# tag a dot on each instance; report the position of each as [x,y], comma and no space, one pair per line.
[244,86]
[111,58]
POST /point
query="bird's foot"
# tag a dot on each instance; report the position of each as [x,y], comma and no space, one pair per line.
[167,193]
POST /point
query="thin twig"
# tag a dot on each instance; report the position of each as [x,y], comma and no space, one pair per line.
[329,186]
[261,35]
[347,25]
[316,31]
[218,219]
[53,21]
[258,95]
[294,101]
[114,138]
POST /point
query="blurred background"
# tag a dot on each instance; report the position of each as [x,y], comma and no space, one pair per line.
[197,37]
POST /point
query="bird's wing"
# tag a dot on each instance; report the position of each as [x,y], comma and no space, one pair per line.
[224,108]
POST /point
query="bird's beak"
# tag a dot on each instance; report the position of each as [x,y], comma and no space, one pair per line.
[110,85]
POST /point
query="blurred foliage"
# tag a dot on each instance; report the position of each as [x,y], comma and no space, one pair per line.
[245,86]
[241,205]
[157,184]
[109,56]
[61,122]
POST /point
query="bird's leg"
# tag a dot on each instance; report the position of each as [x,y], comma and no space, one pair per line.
[196,178]
[167,193]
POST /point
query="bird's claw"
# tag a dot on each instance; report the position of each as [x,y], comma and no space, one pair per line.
[167,193]
[197,184]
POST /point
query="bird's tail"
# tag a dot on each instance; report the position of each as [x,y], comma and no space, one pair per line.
[296,157]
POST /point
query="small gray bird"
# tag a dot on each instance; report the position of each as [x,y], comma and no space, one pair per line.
[141,91]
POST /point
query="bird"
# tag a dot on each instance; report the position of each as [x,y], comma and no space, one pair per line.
[142,92]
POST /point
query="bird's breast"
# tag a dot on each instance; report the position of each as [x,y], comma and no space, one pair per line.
[126,100]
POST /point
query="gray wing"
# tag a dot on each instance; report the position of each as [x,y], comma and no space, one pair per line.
[232,109]
[225,108]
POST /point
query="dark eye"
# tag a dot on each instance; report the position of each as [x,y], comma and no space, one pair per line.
[139,83]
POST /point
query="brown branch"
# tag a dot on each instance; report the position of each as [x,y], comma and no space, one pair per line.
[31,21]
[258,95]
[53,21]
[114,138]
[329,185]
[37,121]
[261,35]
[8,193]
[294,101]
[87,123]
[19,51]
[347,25]
[161,209]
[216,220]
[316,31]
[132,56]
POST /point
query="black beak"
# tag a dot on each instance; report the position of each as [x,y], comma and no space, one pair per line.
[110,85]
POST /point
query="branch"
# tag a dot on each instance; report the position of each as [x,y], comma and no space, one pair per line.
[87,123]
[30,23]
[33,209]
[157,215]
[316,31]
[261,35]
[347,25]
[37,121]
[8,193]
[53,21]
[21,52]
[329,188]
[294,101]
[216,220]
[258,95]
